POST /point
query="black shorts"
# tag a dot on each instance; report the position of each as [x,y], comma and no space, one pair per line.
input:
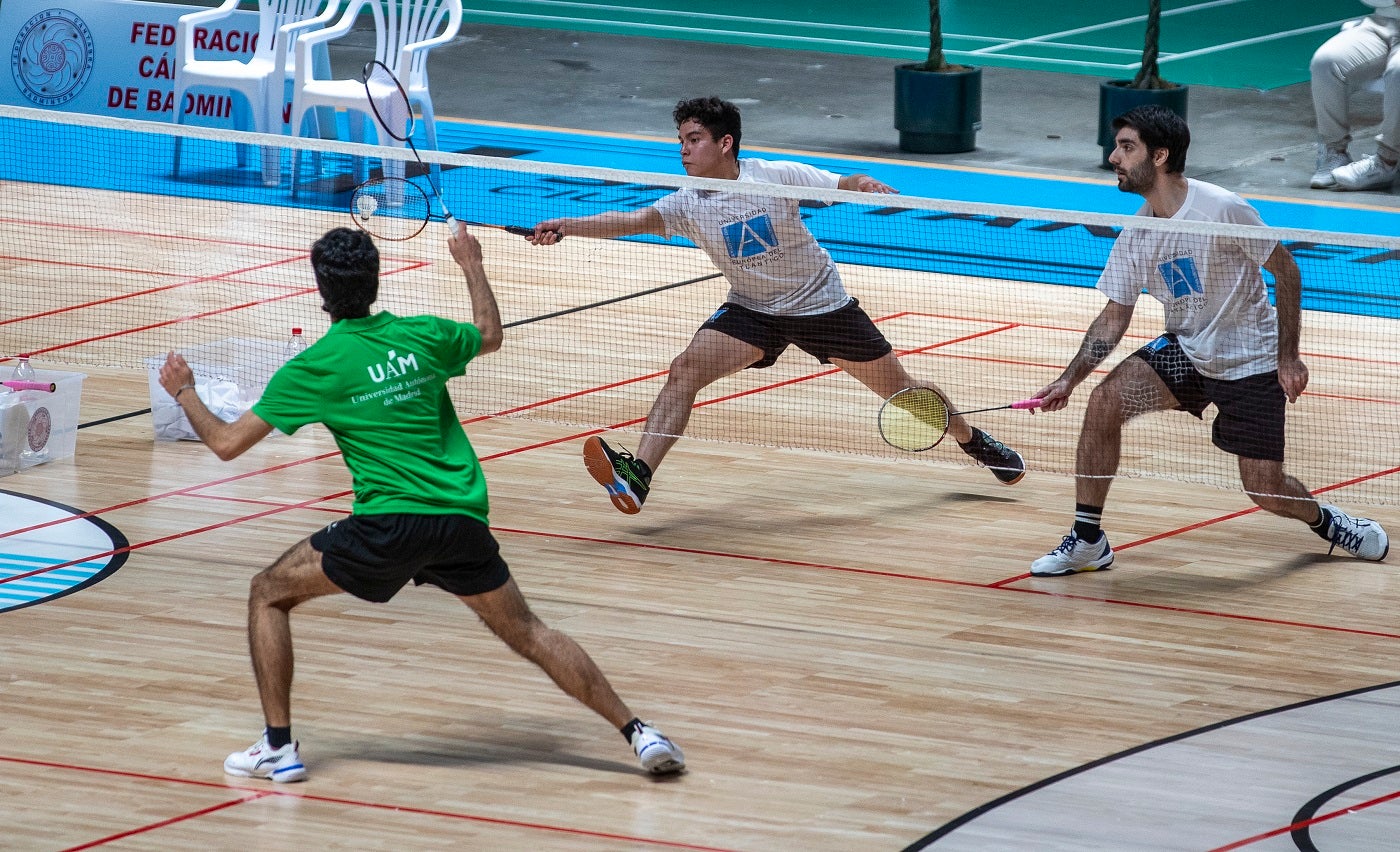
[1250,412]
[373,556]
[846,333]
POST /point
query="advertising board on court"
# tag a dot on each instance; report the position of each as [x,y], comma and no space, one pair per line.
[115,58]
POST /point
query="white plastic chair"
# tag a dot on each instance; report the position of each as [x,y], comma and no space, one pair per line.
[262,78]
[404,32]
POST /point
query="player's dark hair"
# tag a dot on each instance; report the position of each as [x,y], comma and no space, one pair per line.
[346,264]
[1159,127]
[719,117]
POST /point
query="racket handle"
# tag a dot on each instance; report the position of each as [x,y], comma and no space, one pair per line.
[451,223]
[21,385]
[1027,403]
[525,232]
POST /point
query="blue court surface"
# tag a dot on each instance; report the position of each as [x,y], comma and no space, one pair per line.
[1337,277]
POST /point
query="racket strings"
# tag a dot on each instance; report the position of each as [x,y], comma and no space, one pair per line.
[914,419]
[390,208]
[393,112]
[928,408]
[388,101]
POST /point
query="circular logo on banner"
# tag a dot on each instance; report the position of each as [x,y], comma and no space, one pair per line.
[40,425]
[52,57]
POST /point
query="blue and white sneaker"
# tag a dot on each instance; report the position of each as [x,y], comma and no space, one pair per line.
[262,761]
[1361,537]
[658,755]
[1073,556]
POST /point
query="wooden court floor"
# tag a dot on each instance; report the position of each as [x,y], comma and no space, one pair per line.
[847,647]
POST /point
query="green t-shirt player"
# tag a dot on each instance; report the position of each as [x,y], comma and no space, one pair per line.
[378,383]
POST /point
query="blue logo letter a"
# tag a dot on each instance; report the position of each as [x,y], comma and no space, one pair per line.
[1180,277]
[750,237]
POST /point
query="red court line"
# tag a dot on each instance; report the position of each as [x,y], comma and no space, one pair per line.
[31,224]
[175,321]
[189,282]
[575,395]
[300,291]
[255,794]
[795,381]
[130,548]
[172,493]
[253,502]
[163,823]
[873,572]
[1227,517]
[1287,829]
[262,246]
[999,586]
[1042,327]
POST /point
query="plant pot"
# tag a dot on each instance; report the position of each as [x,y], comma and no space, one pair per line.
[937,112]
[1116,98]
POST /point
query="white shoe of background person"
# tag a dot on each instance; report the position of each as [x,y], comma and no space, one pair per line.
[1328,160]
[1366,173]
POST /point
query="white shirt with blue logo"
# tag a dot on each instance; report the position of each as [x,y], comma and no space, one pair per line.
[1211,286]
[772,262]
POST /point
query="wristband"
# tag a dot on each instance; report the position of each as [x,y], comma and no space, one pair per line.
[182,389]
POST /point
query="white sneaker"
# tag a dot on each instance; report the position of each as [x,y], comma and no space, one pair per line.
[1361,537]
[1365,173]
[261,761]
[1328,159]
[1073,556]
[658,755]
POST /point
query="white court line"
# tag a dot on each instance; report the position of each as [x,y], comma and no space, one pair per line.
[1204,51]
[1103,25]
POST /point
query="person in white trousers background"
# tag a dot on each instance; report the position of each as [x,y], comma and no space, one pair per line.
[1365,51]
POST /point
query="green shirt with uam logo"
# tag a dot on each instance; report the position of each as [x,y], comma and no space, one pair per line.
[379,386]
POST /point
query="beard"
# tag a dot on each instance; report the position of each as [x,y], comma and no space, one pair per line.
[1140,179]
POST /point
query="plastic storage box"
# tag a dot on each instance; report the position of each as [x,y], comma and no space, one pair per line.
[39,426]
[229,376]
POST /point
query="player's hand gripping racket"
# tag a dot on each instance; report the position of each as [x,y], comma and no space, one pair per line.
[391,207]
[916,419]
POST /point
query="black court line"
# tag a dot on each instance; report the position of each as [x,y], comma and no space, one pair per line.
[565,312]
[932,838]
[614,300]
[113,418]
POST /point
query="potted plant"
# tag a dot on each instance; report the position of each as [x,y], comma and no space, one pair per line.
[1118,96]
[937,106]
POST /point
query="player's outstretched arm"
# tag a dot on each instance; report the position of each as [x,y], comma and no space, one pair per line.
[600,225]
[227,440]
[865,183]
[1099,342]
[486,316]
[1288,292]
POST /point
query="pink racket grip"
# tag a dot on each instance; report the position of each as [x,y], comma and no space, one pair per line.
[21,385]
[1028,404]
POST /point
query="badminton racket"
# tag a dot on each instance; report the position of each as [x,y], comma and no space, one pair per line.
[398,206]
[22,385]
[394,208]
[389,103]
[916,419]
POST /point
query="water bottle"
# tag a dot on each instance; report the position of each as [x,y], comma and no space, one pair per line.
[296,344]
[24,371]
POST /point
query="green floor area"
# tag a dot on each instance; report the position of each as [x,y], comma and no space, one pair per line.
[1256,44]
